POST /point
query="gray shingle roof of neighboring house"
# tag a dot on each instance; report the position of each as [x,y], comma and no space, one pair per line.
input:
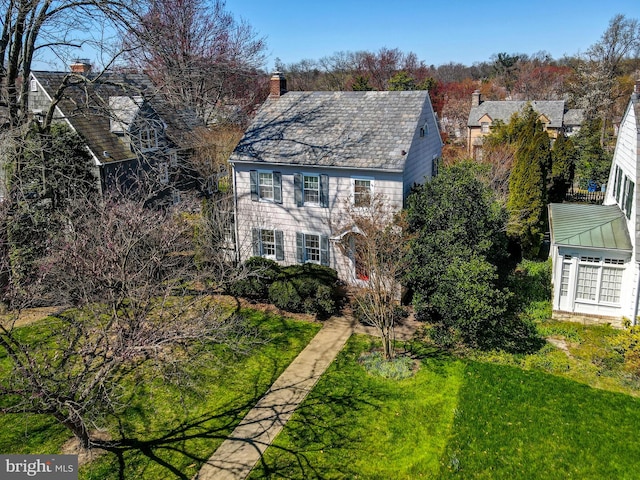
[554,110]
[91,108]
[589,226]
[372,130]
[574,117]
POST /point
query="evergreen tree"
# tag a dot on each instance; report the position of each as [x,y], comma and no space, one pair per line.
[361,84]
[531,177]
[594,161]
[527,193]
[48,172]
[458,244]
[563,159]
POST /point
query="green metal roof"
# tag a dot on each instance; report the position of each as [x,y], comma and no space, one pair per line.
[589,226]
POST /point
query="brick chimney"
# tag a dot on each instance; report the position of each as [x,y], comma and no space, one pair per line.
[277,85]
[475,99]
[81,66]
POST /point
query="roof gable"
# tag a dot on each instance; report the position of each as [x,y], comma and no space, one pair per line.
[100,107]
[503,110]
[373,130]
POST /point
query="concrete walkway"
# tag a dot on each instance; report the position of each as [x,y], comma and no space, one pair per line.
[237,455]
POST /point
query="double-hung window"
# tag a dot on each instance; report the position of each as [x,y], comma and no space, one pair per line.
[266,186]
[362,192]
[268,243]
[311,189]
[312,248]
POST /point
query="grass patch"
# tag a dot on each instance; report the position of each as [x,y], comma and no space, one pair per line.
[178,426]
[455,419]
[527,424]
[356,425]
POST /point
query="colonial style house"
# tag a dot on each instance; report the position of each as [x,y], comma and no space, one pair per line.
[308,155]
[595,248]
[129,129]
[553,114]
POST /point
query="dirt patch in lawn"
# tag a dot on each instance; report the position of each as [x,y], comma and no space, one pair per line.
[560,343]
[28,316]
[73,447]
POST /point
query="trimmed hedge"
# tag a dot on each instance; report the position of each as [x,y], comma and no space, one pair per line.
[305,288]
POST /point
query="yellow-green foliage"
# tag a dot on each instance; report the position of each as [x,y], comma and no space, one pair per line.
[628,344]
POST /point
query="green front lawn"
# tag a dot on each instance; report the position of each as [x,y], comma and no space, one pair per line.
[354,425]
[177,428]
[455,419]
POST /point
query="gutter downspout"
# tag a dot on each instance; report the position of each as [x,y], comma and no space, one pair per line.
[634,320]
[235,214]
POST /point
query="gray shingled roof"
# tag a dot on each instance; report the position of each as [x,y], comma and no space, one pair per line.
[86,106]
[574,116]
[344,129]
[589,226]
[503,110]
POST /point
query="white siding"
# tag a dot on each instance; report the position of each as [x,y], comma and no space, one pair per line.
[290,219]
[572,304]
[423,150]
[626,158]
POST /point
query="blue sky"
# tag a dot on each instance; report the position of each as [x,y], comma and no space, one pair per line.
[437,31]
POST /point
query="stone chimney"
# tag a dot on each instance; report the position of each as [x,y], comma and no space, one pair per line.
[81,66]
[277,84]
[475,99]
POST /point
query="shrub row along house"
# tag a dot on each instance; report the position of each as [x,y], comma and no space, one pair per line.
[128,127]
[308,157]
[596,248]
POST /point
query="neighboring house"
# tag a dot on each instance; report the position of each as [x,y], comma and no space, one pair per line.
[307,154]
[555,117]
[596,248]
[129,129]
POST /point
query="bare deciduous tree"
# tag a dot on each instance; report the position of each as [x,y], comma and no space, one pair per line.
[596,87]
[200,54]
[126,274]
[31,26]
[378,244]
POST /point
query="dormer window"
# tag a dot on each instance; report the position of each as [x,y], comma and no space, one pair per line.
[148,137]
[484,127]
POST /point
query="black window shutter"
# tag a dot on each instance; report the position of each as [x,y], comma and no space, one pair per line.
[324,250]
[253,175]
[300,247]
[277,187]
[324,191]
[279,245]
[629,202]
[297,188]
[255,233]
